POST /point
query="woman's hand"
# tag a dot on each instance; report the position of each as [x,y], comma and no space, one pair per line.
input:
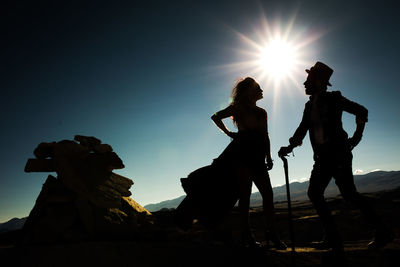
[217,119]
[232,135]
[269,163]
[353,141]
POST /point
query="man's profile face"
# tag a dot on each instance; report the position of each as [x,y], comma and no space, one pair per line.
[312,84]
[309,85]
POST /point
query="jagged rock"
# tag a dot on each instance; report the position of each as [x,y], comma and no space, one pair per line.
[109,160]
[110,193]
[120,184]
[136,212]
[54,216]
[87,141]
[102,148]
[44,150]
[40,165]
[86,200]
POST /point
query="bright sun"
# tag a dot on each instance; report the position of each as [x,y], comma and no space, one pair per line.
[275,54]
[277,58]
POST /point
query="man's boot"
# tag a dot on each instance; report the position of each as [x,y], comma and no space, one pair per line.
[274,238]
[331,240]
[382,237]
[248,241]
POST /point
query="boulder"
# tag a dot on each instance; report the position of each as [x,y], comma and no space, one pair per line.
[87,141]
[86,200]
[40,165]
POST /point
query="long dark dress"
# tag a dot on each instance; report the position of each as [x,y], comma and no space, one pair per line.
[213,190]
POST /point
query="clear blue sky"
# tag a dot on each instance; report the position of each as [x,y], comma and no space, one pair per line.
[145,78]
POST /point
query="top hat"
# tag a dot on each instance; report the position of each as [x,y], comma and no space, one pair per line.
[322,71]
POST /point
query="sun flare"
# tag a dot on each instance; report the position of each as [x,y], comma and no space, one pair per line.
[278,58]
[275,54]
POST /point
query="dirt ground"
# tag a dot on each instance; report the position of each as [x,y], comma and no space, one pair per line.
[199,247]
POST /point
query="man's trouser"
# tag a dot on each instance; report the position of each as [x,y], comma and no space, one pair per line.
[336,162]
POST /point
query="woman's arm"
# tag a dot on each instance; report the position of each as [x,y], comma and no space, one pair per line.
[268,157]
[222,114]
[268,145]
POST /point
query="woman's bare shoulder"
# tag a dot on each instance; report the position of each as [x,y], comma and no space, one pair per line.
[226,112]
[261,109]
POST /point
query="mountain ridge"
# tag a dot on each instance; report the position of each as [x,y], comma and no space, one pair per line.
[13,224]
[365,183]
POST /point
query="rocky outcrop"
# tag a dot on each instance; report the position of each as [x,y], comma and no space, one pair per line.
[86,200]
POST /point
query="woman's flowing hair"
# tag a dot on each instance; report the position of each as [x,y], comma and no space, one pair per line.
[243,93]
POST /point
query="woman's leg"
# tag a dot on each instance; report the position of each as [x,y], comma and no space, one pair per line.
[245,184]
[263,184]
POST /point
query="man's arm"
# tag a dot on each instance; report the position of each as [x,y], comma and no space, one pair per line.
[298,136]
[361,114]
[354,108]
[356,138]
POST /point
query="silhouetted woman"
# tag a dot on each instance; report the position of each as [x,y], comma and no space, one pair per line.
[249,154]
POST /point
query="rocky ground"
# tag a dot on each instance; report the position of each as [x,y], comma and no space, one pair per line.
[164,245]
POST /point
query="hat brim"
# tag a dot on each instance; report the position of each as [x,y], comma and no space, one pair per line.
[328,83]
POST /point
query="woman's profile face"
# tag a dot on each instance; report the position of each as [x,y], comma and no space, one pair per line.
[247,91]
[257,92]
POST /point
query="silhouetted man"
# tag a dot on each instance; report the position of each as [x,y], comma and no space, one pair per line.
[322,118]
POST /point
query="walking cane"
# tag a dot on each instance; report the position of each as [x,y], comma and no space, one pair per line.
[285,166]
